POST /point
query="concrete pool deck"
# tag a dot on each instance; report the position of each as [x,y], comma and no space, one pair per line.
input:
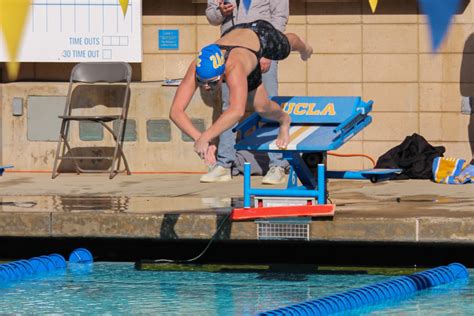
[177,206]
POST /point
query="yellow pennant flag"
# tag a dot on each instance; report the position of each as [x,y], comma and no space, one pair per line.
[373,5]
[13,14]
[124,5]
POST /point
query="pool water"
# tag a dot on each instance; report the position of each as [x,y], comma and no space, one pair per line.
[119,289]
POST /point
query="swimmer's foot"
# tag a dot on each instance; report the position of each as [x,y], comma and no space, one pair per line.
[307,53]
[284,133]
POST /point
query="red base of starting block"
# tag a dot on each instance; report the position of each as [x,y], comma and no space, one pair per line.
[283,211]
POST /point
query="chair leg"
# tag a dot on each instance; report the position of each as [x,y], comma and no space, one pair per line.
[113,169]
[56,160]
[58,150]
[68,147]
[125,162]
[116,159]
[118,152]
[76,165]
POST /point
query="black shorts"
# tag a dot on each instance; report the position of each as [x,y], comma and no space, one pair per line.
[274,44]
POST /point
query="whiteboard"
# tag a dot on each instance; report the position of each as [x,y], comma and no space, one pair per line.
[80,30]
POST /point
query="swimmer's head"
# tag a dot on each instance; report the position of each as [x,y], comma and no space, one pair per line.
[210,66]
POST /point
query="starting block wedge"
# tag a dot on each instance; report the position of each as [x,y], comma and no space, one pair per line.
[318,125]
[283,212]
[267,207]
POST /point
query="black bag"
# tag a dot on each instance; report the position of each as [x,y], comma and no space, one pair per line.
[414,156]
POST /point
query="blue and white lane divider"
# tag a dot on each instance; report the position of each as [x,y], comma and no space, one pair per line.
[20,269]
[375,294]
[81,255]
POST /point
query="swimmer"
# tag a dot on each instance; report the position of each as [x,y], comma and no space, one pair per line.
[234,58]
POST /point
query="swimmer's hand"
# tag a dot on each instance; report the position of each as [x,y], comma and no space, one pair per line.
[201,146]
[205,150]
[210,158]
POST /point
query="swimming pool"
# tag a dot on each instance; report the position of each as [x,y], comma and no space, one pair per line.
[117,288]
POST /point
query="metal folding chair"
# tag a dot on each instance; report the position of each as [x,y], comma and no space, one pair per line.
[113,75]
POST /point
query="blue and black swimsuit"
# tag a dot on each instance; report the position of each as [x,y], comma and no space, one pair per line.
[274,45]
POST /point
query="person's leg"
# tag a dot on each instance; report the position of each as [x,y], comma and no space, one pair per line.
[226,151]
[270,81]
[277,46]
[270,110]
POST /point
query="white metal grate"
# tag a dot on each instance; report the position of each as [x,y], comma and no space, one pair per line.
[282,231]
[294,228]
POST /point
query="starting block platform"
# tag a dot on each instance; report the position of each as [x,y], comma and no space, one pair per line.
[318,125]
[2,169]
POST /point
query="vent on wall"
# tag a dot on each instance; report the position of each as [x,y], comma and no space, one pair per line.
[283,229]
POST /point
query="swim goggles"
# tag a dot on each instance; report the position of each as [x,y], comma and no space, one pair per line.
[210,82]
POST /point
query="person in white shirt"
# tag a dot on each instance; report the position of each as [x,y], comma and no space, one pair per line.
[227,14]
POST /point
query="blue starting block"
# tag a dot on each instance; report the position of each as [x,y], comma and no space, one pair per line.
[2,169]
[319,124]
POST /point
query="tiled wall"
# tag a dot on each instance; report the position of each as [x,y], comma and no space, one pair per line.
[385,57]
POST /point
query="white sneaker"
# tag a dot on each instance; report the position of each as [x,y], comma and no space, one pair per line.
[217,174]
[275,175]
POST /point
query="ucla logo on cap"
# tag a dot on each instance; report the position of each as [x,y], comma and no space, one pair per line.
[210,62]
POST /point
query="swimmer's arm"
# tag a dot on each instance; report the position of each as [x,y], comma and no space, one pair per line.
[181,101]
[236,80]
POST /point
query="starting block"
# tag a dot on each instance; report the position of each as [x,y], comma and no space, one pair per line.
[318,125]
[2,169]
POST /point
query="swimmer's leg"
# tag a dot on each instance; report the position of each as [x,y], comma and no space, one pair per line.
[297,44]
[271,110]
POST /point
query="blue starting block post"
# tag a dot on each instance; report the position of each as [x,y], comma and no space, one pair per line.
[319,125]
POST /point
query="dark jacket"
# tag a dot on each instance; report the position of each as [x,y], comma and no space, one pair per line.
[414,156]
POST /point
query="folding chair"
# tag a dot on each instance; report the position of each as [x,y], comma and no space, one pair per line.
[114,75]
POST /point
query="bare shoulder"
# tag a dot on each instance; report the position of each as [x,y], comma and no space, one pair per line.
[240,37]
[243,59]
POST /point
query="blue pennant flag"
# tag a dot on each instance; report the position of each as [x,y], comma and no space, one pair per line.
[247,5]
[439,14]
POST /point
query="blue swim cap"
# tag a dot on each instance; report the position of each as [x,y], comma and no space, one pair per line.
[210,62]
